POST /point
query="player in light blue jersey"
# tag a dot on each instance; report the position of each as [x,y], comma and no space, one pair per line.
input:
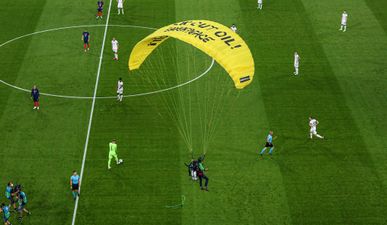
[6,214]
[74,184]
[10,194]
[269,144]
[22,200]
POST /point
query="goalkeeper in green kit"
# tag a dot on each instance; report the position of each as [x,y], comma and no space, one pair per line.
[113,153]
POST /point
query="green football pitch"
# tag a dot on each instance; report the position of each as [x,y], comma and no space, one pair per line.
[343,83]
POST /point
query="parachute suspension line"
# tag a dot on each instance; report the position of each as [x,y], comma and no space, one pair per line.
[180,105]
[208,99]
[200,110]
[195,98]
[217,109]
[181,100]
[167,98]
[176,110]
[212,96]
[221,99]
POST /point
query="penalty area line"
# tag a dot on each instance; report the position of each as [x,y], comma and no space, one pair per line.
[92,111]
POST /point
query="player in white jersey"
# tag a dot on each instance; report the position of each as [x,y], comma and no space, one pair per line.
[260,4]
[234,28]
[120,89]
[313,128]
[344,18]
[115,48]
[296,63]
[120,6]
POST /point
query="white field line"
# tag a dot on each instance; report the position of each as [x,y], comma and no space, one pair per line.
[92,111]
[101,97]
[72,27]
[111,97]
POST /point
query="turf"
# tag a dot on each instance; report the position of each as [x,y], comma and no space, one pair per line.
[339,180]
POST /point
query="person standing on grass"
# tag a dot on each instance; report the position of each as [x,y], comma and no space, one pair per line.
[99,9]
[115,48]
[120,89]
[86,39]
[120,6]
[234,28]
[201,175]
[192,169]
[260,4]
[344,18]
[35,96]
[22,200]
[6,213]
[113,152]
[74,184]
[296,63]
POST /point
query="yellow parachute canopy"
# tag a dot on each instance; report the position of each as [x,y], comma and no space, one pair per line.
[216,40]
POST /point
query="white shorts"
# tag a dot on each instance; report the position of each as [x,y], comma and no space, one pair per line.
[120,91]
[120,5]
[115,50]
[313,130]
[295,66]
[343,24]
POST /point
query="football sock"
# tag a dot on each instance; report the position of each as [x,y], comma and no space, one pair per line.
[319,136]
[263,151]
[116,55]
[271,151]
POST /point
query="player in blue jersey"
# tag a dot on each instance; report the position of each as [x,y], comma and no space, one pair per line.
[269,144]
[86,40]
[74,184]
[22,200]
[100,9]
[10,194]
[6,213]
[35,96]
